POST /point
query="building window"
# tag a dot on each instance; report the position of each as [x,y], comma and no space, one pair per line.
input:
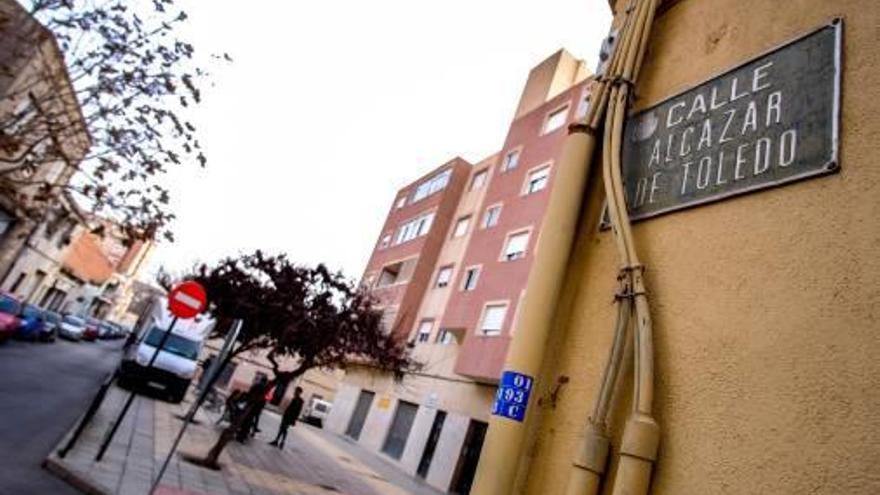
[18,282]
[414,228]
[65,238]
[396,273]
[491,216]
[444,276]
[479,179]
[511,160]
[537,180]
[515,247]
[53,224]
[584,105]
[401,202]
[432,185]
[424,332]
[469,281]
[445,337]
[6,219]
[461,226]
[493,319]
[385,241]
[555,120]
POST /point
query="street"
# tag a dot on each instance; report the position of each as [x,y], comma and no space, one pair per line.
[45,387]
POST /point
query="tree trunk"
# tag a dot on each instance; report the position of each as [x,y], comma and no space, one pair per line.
[211,459]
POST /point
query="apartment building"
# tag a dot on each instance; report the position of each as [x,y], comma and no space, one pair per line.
[459,312]
[32,69]
[65,266]
[399,271]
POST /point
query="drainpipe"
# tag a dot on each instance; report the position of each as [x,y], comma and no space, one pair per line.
[502,450]
[504,440]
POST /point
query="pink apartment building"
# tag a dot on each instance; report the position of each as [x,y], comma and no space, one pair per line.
[449,267]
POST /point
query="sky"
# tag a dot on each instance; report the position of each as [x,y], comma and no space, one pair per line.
[328,108]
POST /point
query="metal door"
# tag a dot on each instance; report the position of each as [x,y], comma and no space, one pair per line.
[399,431]
[356,424]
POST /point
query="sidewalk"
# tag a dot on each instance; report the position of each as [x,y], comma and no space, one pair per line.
[313,463]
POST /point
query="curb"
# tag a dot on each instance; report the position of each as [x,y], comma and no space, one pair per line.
[57,467]
[72,477]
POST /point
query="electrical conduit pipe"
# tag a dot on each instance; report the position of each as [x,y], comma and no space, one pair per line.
[641,435]
[590,460]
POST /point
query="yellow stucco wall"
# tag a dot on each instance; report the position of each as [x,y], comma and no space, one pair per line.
[765,306]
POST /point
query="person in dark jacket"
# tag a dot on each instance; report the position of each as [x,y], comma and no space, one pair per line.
[291,414]
[254,401]
[233,407]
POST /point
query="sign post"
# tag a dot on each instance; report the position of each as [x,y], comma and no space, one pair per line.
[213,372]
[186,300]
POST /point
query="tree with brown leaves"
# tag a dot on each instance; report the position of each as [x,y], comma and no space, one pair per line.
[302,317]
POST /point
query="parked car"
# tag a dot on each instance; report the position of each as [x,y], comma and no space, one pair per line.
[50,329]
[106,330]
[33,323]
[72,327]
[10,308]
[174,368]
[92,329]
[316,412]
[121,331]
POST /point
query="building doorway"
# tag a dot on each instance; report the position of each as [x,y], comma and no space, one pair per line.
[356,424]
[38,284]
[431,445]
[402,423]
[463,477]
[53,299]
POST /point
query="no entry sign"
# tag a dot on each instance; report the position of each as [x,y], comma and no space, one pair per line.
[187,299]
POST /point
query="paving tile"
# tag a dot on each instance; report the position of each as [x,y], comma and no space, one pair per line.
[310,465]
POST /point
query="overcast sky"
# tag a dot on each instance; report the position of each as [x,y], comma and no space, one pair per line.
[330,107]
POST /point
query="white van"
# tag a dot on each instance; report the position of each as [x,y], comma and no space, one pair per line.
[175,366]
[316,412]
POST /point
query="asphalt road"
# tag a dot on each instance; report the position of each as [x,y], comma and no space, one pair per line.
[43,390]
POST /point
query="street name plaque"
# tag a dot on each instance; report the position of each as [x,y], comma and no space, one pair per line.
[770,121]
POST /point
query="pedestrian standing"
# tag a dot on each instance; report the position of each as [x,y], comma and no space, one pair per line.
[254,401]
[233,407]
[291,414]
[258,411]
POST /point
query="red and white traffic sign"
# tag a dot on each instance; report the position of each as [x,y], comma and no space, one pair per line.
[187,299]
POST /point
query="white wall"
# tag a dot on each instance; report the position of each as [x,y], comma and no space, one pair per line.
[418,438]
[343,406]
[377,423]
